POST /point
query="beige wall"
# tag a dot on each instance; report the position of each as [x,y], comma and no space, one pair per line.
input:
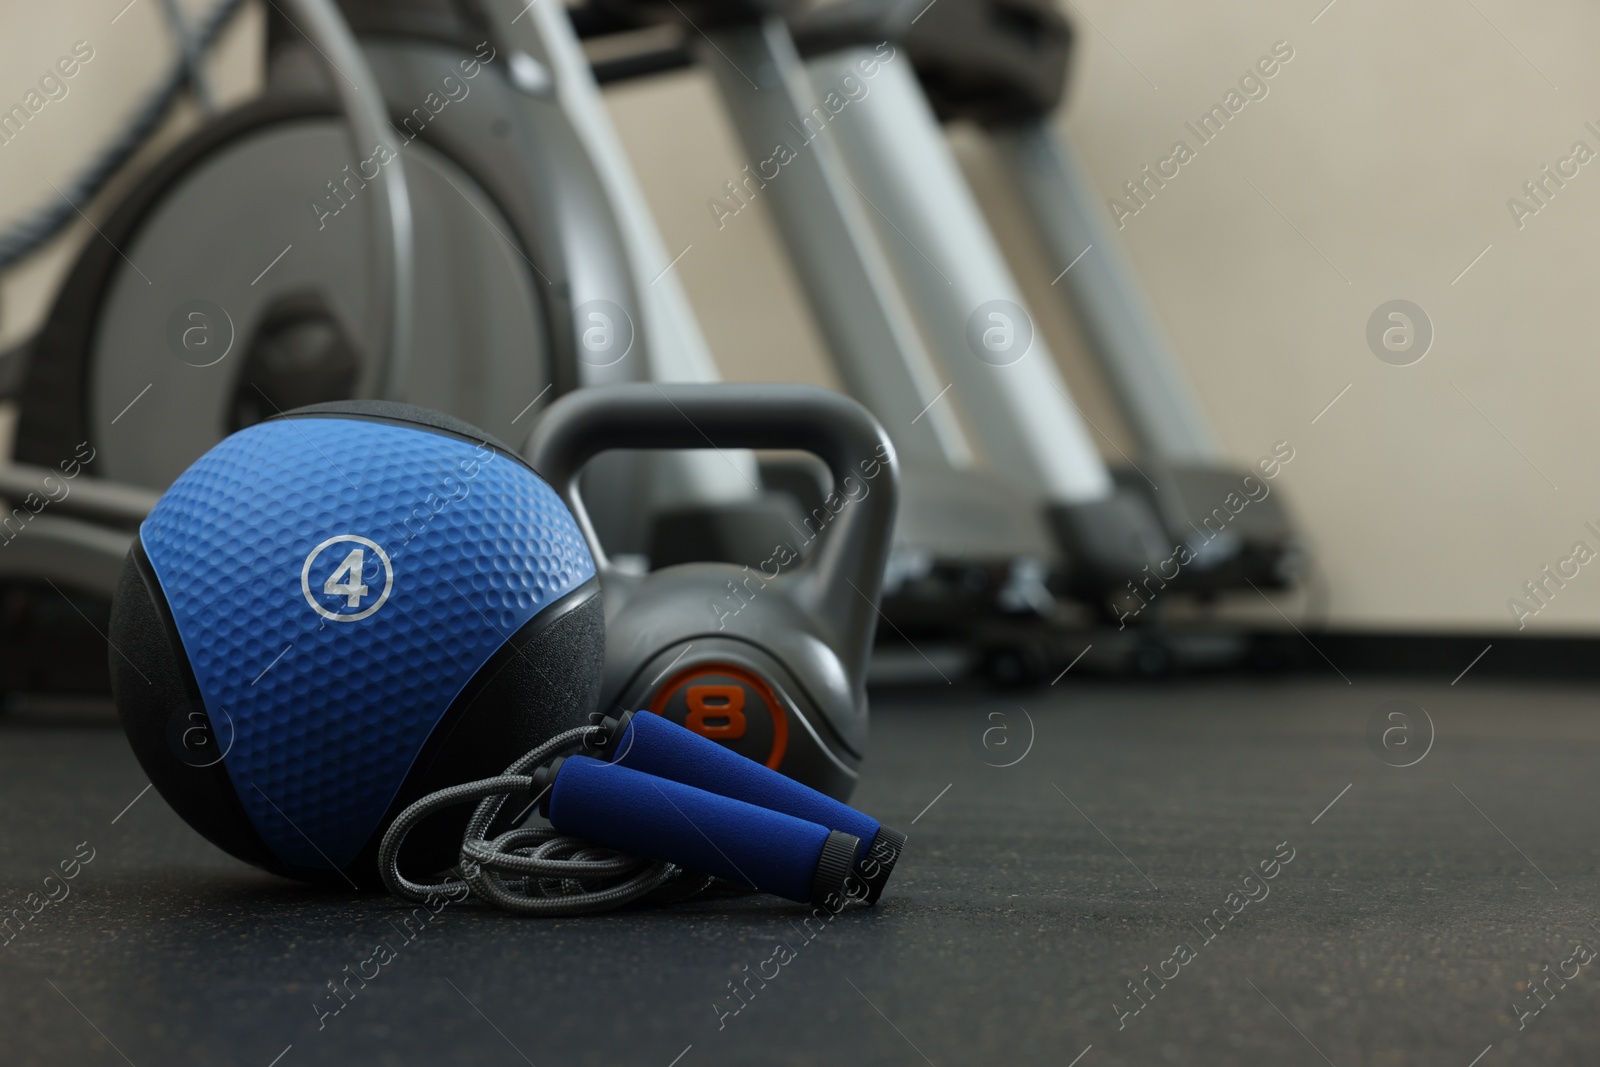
[1389,143]
[1393,140]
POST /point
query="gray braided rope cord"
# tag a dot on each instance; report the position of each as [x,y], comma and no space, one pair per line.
[531,870]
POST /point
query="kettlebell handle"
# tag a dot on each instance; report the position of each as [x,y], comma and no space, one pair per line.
[841,580]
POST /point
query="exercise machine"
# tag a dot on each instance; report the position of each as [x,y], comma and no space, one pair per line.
[1002,65]
[426,203]
[1042,501]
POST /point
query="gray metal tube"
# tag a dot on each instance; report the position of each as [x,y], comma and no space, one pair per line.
[676,349]
[393,252]
[82,556]
[90,498]
[850,285]
[1006,379]
[1123,333]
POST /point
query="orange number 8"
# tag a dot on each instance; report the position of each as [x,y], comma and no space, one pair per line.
[720,721]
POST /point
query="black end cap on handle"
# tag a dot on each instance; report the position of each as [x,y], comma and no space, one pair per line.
[874,868]
[833,869]
[543,783]
[606,743]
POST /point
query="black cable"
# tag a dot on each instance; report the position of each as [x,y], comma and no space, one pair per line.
[532,870]
[193,58]
[35,229]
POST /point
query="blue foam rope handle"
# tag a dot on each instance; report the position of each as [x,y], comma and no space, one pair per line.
[657,745]
[631,811]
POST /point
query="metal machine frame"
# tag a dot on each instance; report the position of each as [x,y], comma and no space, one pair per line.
[1002,64]
[1059,501]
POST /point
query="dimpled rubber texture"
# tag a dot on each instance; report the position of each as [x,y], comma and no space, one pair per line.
[329,716]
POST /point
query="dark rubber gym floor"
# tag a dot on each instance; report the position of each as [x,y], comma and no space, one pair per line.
[1413,914]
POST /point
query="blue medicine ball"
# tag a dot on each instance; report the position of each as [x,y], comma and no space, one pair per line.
[337,611]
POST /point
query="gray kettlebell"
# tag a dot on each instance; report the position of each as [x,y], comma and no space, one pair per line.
[768,660]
